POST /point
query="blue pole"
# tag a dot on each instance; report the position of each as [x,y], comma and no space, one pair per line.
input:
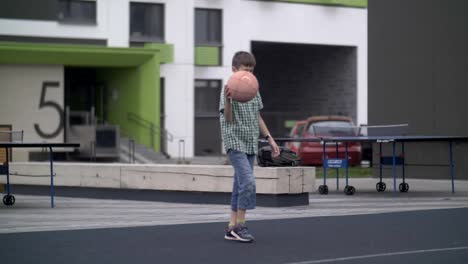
[337,170]
[403,160]
[346,157]
[394,168]
[451,167]
[51,154]
[8,170]
[323,164]
[380,160]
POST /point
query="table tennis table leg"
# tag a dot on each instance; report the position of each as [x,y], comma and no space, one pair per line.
[324,165]
[8,171]
[403,161]
[394,167]
[349,190]
[380,160]
[347,162]
[323,189]
[337,170]
[51,156]
[451,166]
[8,199]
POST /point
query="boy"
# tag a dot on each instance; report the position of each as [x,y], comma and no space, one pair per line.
[240,127]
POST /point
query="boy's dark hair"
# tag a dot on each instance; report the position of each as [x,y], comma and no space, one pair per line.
[243,58]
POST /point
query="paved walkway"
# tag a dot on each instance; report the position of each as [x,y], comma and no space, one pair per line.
[32,213]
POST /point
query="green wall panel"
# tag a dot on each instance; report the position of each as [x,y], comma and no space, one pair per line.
[349,3]
[81,55]
[134,90]
[207,56]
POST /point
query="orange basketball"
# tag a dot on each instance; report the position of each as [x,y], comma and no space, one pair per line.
[242,86]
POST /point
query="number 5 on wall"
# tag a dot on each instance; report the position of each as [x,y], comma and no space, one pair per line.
[43,103]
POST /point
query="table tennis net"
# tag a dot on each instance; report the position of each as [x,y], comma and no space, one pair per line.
[11,136]
[363,130]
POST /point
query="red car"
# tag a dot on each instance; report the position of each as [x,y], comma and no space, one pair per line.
[311,153]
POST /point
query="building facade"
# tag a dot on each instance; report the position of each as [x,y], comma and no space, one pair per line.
[417,74]
[155,68]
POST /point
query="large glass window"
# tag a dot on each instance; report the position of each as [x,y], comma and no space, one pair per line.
[207,128]
[208,27]
[207,97]
[77,11]
[146,22]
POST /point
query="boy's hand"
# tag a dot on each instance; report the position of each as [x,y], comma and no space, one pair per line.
[274,147]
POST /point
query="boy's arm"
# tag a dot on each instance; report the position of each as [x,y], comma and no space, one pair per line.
[227,105]
[266,133]
[227,110]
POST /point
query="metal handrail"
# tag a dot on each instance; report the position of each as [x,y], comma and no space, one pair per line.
[131,150]
[181,151]
[154,129]
[131,145]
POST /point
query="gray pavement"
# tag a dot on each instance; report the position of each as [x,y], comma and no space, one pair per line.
[33,213]
[425,236]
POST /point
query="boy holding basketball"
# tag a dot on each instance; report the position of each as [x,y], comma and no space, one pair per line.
[240,127]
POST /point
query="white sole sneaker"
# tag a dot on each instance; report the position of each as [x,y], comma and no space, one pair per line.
[240,239]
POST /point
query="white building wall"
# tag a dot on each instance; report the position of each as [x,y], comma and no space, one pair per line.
[179,76]
[20,96]
[115,18]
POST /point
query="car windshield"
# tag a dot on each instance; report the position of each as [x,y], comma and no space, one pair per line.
[333,128]
[298,130]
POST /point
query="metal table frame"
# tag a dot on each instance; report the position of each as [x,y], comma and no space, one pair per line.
[50,146]
[343,163]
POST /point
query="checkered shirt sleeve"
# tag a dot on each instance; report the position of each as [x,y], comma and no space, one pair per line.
[241,134]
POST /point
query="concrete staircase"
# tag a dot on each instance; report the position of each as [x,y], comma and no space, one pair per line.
[143,154]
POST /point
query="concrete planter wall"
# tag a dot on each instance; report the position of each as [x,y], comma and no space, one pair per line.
[199,178]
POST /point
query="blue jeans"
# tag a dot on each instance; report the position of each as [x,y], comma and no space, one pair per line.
[243,191]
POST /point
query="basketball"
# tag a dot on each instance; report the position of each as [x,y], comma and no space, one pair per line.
[242,86]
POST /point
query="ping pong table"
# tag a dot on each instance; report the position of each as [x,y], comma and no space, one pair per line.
[393,160]
[9,199]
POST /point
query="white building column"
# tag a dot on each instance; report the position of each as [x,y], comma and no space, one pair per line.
[118,22]
[179,76]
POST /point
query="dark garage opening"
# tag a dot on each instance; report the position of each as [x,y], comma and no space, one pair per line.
[302,80]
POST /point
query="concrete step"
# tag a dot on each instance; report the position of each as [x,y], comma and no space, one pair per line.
[143,155]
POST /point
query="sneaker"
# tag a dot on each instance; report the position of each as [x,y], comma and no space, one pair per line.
[241,233]
[228,235]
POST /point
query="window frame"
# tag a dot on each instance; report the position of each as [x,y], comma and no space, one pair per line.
[143,39]
[74,21]
[209,42]
[214,84]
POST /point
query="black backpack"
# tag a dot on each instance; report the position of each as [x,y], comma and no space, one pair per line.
[287,157]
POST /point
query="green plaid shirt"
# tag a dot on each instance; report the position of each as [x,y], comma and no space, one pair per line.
[242,133]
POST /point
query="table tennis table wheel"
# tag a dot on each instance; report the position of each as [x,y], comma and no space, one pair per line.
[380,186]
[323,189]
[8,200]
[404,187]
[349,190]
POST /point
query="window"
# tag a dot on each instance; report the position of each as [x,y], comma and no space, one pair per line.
[208,27]
[77,11]
[208,37]
[333,128]
[207,128]
[207,97]
[146,22]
